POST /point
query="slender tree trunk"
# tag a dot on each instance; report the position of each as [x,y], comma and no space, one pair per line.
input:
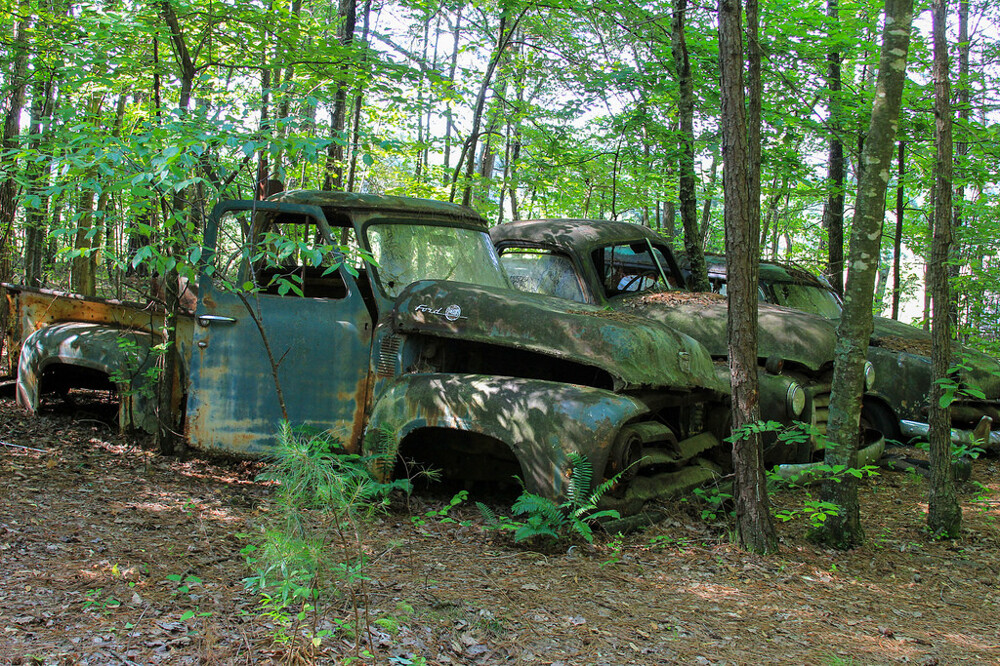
[844,530]
[504,36]
[668,222]
[168,434]
[897,241]
[359,95]
[13,105]
[753,521]
[449,126]
[338,119]
[82,279]
[36,222]
[944,517]
[833,211]
[706,207]
[687,196]
[962,149]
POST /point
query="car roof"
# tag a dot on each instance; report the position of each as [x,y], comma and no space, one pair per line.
[572,233]
[350,202]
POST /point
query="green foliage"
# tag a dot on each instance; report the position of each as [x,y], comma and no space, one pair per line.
[549,520]
[715,501]
[441,515]
[816,511]
[96,601]
[959,450]
[310,547]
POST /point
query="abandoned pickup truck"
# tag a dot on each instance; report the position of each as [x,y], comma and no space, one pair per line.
[900,354]
[425,349]
[630,269]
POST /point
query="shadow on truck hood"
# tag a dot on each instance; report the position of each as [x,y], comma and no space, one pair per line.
[793,335]
[635,352]
[901,338]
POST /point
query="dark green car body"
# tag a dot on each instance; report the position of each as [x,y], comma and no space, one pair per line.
[630,269]
[900,355]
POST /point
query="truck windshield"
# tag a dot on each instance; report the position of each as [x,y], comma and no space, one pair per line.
[542,272]
[806,297]
[409,252]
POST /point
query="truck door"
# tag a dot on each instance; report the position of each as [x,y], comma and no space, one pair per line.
[279,321]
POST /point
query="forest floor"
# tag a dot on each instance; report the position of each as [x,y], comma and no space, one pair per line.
[111,554]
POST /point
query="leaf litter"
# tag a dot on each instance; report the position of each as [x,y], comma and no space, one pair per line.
[95,531]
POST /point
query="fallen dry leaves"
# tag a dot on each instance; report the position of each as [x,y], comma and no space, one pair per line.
[98,537]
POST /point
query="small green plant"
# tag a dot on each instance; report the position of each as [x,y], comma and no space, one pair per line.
[547,519]
[311,545]
[955,390]
[664,541]
[95,601]
[714,501]
[441,515]
[617,548]
[816,511]
[959,450]
[184,583]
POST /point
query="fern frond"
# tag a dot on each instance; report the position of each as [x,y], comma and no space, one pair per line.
[580,478]
[538,506]
[488,514]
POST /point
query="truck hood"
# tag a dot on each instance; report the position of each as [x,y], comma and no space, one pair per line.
[980,369]
[792,335]
[636,353]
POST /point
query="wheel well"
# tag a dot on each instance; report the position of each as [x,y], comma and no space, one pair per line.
[459,458]
[61,377]
[881,417]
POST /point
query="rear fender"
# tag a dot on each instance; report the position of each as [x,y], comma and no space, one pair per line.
[123,355]
[542,422]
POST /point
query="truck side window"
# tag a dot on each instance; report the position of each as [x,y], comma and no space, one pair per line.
[284,255]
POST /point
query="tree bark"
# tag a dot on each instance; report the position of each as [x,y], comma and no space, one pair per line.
[359,95]
[897,242]
[833,211]
[753,520]
[944,517]
[844,530]
[504,36]
[347,11]
[687,196]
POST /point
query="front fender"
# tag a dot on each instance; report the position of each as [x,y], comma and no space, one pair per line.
[95,347]
[542,422]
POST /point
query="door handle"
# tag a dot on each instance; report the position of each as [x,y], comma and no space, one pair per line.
[207,320]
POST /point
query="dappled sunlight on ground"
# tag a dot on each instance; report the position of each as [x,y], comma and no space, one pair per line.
[113,554]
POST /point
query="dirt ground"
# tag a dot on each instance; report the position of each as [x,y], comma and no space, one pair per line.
[110,554]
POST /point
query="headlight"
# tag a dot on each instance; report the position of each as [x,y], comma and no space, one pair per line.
[869,375]
[795,400]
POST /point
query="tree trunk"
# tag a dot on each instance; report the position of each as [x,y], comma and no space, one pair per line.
[15,84]
[167,433]
[338,118]
[698,280]
[897,241]
[449,125]
[844,529]
[504,36]
[359,95]
[706,207]
[962,149]
[833,211]
[944,517]
[82,279]
[753,520]
[36,217]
